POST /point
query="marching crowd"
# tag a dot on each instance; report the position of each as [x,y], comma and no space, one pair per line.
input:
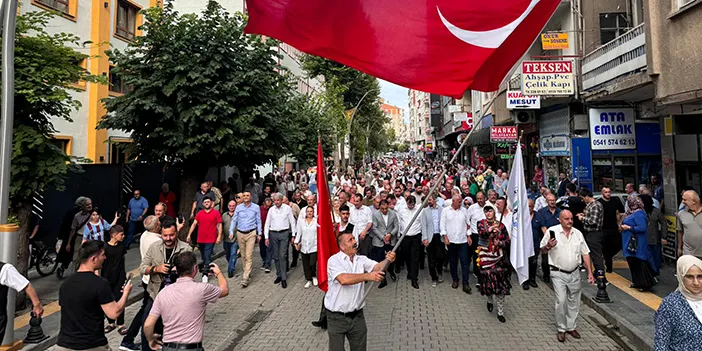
[467,221]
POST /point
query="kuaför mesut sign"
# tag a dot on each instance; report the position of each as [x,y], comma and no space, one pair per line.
[612,129]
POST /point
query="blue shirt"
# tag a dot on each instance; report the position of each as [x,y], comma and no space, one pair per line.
[436,216]
[544,218]
[246,219]
[137,207]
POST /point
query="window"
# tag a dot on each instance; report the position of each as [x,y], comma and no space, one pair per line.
[63,143]
[612,25]
[117,85]
[58,5]
[126,23]
[683,3]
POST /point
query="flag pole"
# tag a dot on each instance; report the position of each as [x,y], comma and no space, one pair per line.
[331,202]
[433,190]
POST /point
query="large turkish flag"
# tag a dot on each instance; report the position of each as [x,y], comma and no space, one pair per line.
[438,46]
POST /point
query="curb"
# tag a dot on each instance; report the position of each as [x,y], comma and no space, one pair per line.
[132,299]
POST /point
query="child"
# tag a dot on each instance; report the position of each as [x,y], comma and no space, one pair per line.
[113,270]
[96,227]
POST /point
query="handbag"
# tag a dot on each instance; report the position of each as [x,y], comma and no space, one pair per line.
[632,245]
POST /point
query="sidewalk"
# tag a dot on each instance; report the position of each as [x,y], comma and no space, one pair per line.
[631,311]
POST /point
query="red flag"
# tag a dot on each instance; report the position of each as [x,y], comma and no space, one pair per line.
[438,46]
[326,240]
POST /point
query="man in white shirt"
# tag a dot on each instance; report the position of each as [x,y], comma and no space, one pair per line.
[541,201]
[347,271]
[10,278]
[279,223]
[401,203]
[411,244]
[503,215]
[431,238]
[362,220]
[492,199]
[565,251]
[454,229]
[475,215]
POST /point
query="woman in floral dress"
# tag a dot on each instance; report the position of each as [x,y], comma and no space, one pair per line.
[493,259]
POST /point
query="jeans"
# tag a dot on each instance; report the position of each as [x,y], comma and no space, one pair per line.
[473,255]
[137,321]
[458,252]
[131,230]
[230,250]
[266,254]
[279,244]
[656,254]
[206,252]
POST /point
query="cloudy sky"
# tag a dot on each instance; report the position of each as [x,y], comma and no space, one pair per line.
[394,95]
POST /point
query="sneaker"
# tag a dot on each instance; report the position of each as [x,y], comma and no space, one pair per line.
[315,281]
[441,278]
[205,279]
[433,283]
[268,270]
[129,346]
[263,268]
[308,284]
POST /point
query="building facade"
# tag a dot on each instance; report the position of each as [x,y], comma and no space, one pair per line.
[396,118]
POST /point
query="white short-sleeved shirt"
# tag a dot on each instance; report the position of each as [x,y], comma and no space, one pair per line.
[346,298]
[360,219]
[10,277]
[567,254]
[454,224]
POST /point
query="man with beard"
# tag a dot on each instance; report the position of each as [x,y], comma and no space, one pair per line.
[384,233]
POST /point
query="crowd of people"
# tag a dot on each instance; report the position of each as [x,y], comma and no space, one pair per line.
[466,220]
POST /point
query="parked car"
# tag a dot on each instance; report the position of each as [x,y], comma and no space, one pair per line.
[622,197]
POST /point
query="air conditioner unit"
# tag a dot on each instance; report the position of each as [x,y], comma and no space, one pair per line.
[523,116]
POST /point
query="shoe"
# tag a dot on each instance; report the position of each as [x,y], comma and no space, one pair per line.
[284,284]
[477,285]
[205,279]
[415,284]
[454,284]
[393,276]
[433,283]
[244,284]
[501,318]
[268,270]
[293,265]
[489,306]
[467,289]
[263,268]
[315,282]
[129,346]
[231,274]
[574,333]
[525,286]
[320,324]
[308,284]
[383,284]
[561,337]
[547,280]
[277,280]
[533,284]
[441,278]
[59,273]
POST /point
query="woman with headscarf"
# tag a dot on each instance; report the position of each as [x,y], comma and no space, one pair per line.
[657,225]
[635,245]
[493,259]
[678,321]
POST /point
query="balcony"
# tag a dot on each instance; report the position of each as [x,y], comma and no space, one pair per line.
[619,58]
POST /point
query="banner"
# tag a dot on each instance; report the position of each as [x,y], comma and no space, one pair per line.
[582,162]
[522,246]
[612,128]
[548,78]
[504,134]
[554,41]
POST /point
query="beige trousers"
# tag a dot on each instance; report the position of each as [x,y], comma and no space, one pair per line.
[247,242]
[567,289]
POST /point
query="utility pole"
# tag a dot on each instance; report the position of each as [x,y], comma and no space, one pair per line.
[348,132]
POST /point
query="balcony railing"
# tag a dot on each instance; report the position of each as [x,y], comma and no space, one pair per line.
[621,56]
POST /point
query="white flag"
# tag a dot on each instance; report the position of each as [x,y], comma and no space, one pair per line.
[522,246]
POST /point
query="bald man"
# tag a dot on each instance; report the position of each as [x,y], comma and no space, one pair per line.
[689,225]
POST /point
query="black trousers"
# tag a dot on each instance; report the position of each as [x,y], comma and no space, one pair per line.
[594,241]
[473,254]
[534,262]
[436,253]
[309,265]
[612,244]
[378,254]
[364,246]
[135,326]
[295,254]
[342,327]
[410,254]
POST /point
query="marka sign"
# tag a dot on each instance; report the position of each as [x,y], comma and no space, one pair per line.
[517,100]
[612,129]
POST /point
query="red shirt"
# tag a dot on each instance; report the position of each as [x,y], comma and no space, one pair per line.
[207,226]
[169,200]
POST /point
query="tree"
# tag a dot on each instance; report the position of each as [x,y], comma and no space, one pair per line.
[46,68]
[203,95]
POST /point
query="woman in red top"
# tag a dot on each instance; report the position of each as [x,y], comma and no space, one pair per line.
[168,198]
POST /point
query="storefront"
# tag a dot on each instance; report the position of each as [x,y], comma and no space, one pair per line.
[623,150]
[555,144]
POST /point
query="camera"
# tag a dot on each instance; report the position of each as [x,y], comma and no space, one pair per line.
[171,276]
[201,268]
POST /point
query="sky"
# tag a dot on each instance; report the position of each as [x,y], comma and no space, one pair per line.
[395,95]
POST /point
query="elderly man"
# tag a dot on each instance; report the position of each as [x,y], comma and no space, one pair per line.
[247,223]
[454,229]
[277,230]
[566,247]
[689,226]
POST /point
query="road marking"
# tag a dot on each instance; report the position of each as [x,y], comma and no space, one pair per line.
[647,298]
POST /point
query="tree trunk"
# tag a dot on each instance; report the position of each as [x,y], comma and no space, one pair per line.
[342,151]
[189,184]
[336,151]
[22,264]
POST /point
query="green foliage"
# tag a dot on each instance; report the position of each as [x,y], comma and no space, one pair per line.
[204,94]
[46,65]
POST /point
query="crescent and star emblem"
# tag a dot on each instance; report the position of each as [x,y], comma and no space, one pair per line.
[491,39]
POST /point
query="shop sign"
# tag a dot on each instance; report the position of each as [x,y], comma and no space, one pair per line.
[612,129]
[517,100]
[428,149]
[582,161]
[669,250]
[548,78]
[554,41]
[504,134]
[460,116]
[555,145]
[455,108]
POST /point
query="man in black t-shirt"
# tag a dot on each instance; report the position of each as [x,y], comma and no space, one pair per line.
[85,299]
[613,209]
[575,204]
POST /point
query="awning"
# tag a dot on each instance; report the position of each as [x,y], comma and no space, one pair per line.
[479,137]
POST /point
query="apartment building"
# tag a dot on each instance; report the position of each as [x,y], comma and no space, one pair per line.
[396,118]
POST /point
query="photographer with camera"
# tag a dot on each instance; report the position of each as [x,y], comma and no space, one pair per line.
[184,326]
[157,263]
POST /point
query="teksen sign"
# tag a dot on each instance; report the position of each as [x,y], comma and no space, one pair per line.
[506,134]
[612,129]
[548,78]
[517,100]
[554,41]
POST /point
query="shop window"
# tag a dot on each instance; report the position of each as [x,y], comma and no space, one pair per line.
[624,172]
[612,25]
[602,173]
[126,24]
[649,165]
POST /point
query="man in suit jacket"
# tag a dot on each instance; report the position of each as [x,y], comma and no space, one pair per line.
[431,238]
[385,231]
